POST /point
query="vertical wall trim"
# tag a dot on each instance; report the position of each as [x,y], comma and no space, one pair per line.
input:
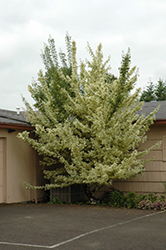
[3,170]
[164,147]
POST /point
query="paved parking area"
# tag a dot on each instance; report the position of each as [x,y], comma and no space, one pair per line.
[65,227]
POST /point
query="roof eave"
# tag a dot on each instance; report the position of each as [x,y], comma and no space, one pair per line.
[16,126]
[161,121]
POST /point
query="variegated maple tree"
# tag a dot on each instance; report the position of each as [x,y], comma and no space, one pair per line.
[98,140]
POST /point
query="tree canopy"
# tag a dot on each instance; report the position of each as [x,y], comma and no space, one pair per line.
[97,141]
[154,92]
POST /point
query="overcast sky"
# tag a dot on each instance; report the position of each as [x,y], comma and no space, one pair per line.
[25,26]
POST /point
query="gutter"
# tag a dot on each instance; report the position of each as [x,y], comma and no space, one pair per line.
[16,126]
[162,121]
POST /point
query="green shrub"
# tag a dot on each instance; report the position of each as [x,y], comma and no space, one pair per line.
[55,201]
[152,197]
[141,197]
[162,198]
[115,198]
[131,200]
[88,203]
[103,203]
[79,203]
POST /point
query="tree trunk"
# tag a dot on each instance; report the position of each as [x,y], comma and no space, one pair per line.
[89,193]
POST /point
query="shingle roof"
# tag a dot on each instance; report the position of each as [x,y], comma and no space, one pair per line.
[11,117]
[148,107]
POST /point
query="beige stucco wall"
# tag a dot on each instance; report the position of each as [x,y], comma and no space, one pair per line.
[20,165]
[155,171]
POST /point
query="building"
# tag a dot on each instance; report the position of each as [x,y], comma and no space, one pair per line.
[155,171]
[18,161]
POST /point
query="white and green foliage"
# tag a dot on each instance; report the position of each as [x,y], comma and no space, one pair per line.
[98,141]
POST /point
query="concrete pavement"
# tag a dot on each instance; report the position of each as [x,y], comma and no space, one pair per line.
[65,227]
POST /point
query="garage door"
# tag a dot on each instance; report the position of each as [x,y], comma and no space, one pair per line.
[2,170]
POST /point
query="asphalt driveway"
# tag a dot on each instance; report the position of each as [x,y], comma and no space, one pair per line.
[65,227]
